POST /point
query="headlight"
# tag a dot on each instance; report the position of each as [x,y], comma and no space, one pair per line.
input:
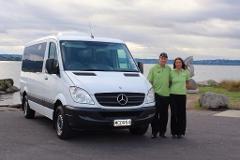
[80,96]
[150,96]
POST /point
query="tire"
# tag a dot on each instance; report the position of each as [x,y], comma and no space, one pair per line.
[27,111]
[61,125]
[139,130]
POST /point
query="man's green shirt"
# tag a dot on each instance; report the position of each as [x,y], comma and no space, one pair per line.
[159,78]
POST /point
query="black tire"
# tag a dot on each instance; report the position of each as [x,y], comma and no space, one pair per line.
[139,130]
[27,111]
[61,125]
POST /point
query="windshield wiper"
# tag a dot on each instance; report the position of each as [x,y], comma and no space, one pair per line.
[125,71]
[93,70]
[108,70]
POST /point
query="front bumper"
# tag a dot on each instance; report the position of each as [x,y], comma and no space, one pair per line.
[94,118]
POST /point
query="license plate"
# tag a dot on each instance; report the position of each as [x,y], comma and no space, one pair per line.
[122,122]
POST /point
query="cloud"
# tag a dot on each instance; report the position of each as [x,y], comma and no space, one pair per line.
[203,28]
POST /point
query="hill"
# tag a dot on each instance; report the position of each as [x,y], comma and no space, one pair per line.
[10,57]
[18,57]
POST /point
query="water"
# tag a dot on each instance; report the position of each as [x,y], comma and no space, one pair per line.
[202,72]
[213,72]
[10,70]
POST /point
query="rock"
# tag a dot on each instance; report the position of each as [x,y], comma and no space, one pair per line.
[6,86]
[192,85]
[192,88]
[5,83]
[208,83]
[212,83]
[213,100]
[9,83]
[12,89]
[195,91]
[2,92]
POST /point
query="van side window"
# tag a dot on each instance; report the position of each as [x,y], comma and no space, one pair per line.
[33,57]
[52,51]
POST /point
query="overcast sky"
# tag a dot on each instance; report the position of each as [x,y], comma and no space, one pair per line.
[205,29]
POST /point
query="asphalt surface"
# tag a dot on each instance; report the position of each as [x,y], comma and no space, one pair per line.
[208,138]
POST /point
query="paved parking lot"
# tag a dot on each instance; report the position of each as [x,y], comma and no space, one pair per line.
[208,137]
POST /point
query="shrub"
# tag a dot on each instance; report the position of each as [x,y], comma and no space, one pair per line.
[230,85]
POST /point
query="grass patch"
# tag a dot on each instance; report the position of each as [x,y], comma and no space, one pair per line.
[197,105]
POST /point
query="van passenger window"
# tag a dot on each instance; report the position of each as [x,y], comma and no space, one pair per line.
[33,57]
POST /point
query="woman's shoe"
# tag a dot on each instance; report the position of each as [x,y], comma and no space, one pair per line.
[179,136]
[174,136]
[162,136]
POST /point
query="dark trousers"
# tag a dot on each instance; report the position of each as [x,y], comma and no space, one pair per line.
[159,122]
[178,114]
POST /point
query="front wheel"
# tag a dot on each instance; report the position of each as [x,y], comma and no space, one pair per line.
[139,130]
[61,125]
[27,111]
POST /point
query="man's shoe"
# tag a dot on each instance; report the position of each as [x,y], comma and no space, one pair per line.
[154,136]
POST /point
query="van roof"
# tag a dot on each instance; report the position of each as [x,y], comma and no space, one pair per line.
[74,37]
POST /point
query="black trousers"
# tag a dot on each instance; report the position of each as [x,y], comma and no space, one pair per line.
[159,122]
[178,114]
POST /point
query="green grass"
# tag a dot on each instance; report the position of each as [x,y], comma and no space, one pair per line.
[197,105]
[234,96]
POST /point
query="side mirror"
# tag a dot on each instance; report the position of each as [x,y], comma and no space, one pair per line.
[52,66]
[140,66]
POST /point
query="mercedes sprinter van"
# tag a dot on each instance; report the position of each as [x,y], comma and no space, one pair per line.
[85,83]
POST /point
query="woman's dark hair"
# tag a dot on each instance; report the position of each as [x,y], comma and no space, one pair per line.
[183,64]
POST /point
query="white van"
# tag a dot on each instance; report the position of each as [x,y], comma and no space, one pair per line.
[85,83]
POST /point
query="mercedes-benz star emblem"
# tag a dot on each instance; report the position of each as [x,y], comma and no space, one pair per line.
[122,99]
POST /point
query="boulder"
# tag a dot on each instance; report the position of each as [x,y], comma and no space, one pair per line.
[5,83]
[2,92]
[192,88]
[6,86]
[212,83]
[208,83]
[12,89]
[213,100]
[192,85]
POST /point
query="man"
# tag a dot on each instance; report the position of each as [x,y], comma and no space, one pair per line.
[159,76]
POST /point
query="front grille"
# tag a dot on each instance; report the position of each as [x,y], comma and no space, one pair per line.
[112,99]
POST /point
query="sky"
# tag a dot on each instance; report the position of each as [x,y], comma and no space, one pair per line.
[204,29]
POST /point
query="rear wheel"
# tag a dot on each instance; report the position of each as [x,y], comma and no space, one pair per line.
[139,130]
[61,125]
[27,111]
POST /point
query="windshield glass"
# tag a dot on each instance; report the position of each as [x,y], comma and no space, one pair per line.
[96,56]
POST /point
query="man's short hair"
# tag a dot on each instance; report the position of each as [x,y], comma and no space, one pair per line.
[163,54]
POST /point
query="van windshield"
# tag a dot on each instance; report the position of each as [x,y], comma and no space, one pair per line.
[96,56]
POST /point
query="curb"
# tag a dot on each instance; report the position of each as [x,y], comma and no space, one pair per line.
[11,106]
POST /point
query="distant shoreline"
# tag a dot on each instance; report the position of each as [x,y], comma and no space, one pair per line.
[194,63]
[224,62]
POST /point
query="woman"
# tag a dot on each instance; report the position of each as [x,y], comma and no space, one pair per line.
[179,77]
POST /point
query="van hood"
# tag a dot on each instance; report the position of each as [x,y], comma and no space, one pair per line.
[105,82]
